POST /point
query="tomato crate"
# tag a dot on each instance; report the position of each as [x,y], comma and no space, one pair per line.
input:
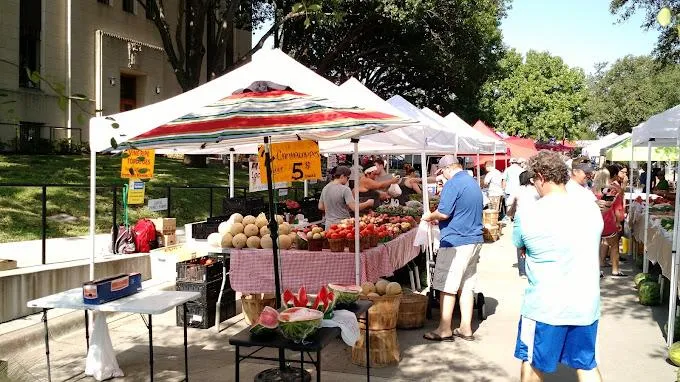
[209,291]
[202,316]
[194,271]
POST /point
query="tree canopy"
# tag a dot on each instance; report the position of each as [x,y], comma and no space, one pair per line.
[538,97]
[437,53]
[631,91]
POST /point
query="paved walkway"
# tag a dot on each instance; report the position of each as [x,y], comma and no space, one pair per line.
[630,343]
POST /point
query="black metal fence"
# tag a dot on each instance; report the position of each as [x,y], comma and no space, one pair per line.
[38,138]
[177,200]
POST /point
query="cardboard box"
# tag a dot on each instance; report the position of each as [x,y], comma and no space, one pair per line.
[6,265]
[165,226]
[167,240]
[111,288]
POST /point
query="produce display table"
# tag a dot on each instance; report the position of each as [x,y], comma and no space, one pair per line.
[659,241]
[147,302]
[252,270]
[313,344]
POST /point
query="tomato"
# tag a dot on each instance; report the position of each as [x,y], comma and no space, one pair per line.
[370,227]
[334,226]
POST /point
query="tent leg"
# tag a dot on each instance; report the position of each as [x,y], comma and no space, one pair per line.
[672,299]
[426,207]
[306,188]
[357,241]
[93,205]
[648,184]
[479,171]
[231,175]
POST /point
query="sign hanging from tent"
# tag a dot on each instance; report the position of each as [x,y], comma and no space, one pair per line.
[137,164]
[255,179]
[292,161]
[135,192]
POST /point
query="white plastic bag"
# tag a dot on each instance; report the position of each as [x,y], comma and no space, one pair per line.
[348,324]
[101,361]
[421,235]
[394,190]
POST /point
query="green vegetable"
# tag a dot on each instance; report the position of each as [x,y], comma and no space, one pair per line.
[649,293]
[640,278]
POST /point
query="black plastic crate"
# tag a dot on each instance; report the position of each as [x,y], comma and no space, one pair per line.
[203,316]
[208,291]
[196,272]
[202,230]
[218,219]
[310,208]
[243,206]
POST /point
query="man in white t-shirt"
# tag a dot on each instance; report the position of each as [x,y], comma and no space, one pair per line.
[493,181]
[511,184]
[581,171]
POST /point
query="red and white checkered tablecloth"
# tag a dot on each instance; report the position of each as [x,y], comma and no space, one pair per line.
[252,270]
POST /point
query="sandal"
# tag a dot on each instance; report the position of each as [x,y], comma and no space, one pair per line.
[620,274]
[432,336]
[607,265]
[457,333]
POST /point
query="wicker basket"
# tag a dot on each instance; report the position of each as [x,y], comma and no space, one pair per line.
[315,244]
[490,217]
[384,348]
[492,233]
[253,305]
[412,311]
[337,245]
[384,313]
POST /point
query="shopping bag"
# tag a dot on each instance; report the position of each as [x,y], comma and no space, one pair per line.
[101,361]
[394,190]
[421,235]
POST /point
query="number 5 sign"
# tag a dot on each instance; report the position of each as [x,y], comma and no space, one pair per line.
[292,161]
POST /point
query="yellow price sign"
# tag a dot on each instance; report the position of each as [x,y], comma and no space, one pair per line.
[135,191]
[137,164]
[292,161]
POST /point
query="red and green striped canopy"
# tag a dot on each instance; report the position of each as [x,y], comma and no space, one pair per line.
[248,117]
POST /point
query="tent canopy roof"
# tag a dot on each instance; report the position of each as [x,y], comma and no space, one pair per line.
[484,145]
[486,130]
[662,129]
[622,153]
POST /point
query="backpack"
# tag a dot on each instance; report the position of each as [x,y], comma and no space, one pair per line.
[145,236]
[123,239]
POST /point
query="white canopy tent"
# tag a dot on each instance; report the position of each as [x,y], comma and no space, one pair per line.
[662,130]
[597,148]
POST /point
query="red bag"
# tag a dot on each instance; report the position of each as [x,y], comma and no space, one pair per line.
[145,236]
[611,216]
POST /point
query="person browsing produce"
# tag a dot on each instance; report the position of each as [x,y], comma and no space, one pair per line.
[370,187]
[336,198]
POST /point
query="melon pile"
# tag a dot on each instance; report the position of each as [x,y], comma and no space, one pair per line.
[380,288]
[251,232]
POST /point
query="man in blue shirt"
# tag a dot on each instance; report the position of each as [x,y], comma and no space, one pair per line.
[561,308]
[460,222]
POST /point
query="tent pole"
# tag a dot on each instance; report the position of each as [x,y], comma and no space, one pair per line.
[630,202]
[357,241]
[494,154]
[93,204]
[231,175]
[674,269]
[479,171]
[426,208]
[306,188]
[648,184]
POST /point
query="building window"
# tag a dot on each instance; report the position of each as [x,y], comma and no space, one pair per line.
[30,19]
[107,2]
[150,9]
[30,136]
[129,6]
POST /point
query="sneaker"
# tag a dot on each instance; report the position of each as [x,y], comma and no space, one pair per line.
[601,275]
[523,277]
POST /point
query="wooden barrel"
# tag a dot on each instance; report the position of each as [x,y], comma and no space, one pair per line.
[384,349]
[412,311]
[384,313]
[253,305]
[490,217]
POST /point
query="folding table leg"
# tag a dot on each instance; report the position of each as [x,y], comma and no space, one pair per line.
[151,348]
[237,365]
[47,345]
[186,349]
[367,340]
[302,365]
[87,329]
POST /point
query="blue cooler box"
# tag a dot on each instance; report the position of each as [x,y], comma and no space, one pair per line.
[111,288]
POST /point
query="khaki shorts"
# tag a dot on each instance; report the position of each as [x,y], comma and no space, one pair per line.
[456,268]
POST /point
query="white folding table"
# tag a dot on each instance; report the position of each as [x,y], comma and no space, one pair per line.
[146,302]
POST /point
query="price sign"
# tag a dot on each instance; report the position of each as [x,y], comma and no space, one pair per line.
[292,161]
[135,192]
[137,164]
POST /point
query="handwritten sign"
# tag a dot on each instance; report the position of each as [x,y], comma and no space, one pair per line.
[292,161]
[255,184]
[135,192]
[158,204]
[137,164]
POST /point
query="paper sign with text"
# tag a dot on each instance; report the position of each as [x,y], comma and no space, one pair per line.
[135,192]
[137,164]
[255,180]
[158,204]
[292,161]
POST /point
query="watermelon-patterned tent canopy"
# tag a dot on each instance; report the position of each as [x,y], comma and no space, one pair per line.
[248,117]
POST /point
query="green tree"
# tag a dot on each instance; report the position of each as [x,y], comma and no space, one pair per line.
[631,91]
[668,44]
[436,53]
[539,97]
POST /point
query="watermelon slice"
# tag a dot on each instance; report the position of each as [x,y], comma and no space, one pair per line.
[302,297]
[298,323]
[346,294]
[267,323]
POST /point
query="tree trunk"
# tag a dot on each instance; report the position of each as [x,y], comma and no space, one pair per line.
[196,161]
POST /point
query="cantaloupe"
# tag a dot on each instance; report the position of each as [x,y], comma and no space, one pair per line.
[264,231]
[284,229]
[266,241]
[215,239]
[253,242]
[367,288]
[239,241]
[251,230]
[238,218]
[261,221]
[225,227]
[236,228]
[250,219]
[293,237]
[373,294]
[285,242]
[393,289]
[227,240]
[381,287]
[279,219]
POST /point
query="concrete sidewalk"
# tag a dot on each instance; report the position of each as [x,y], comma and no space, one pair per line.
[631,344]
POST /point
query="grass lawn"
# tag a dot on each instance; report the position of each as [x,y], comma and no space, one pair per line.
[20,207]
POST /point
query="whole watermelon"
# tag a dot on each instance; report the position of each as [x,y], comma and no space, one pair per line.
[674,353]
[649,293]
[641,277]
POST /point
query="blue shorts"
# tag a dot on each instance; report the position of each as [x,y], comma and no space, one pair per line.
[544,346]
